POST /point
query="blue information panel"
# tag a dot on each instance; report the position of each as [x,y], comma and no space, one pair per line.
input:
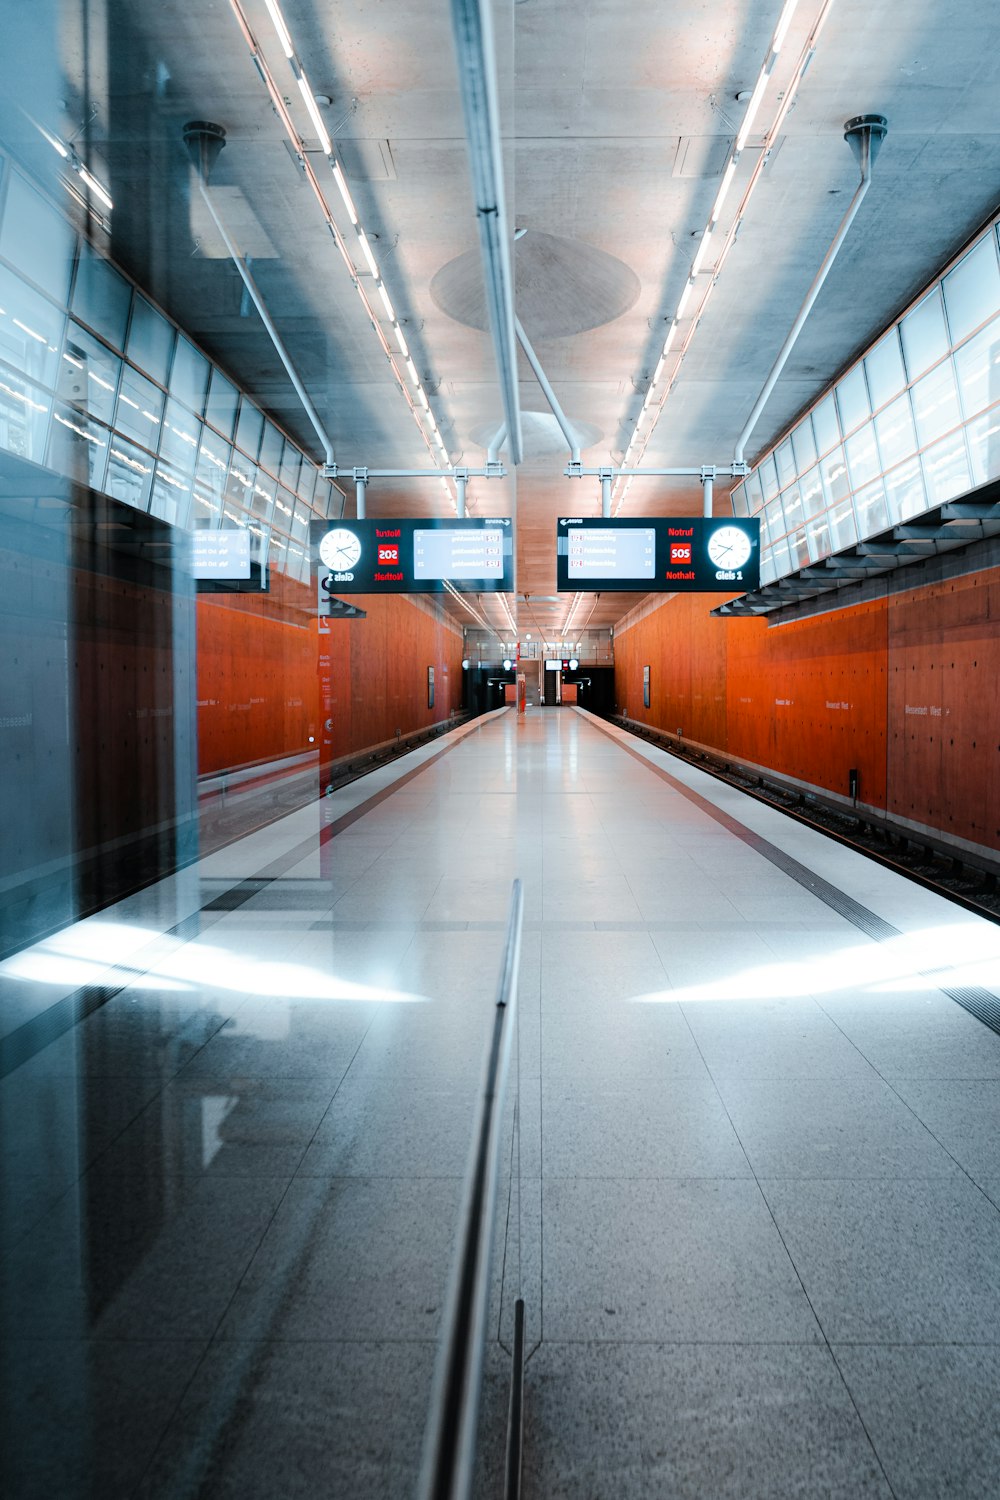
[660,554]
[474,555]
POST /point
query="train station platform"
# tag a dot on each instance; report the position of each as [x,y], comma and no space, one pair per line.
[751,1184]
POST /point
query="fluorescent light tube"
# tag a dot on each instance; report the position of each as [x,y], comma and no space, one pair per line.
[385,302]
[345,192]
[724,186]
[366,251]
[314,114]
[95,187]
[784,22]
[422,398]
[752,108]
[280,27]
[411,370]
[702,252]
[684,298]
[403,349]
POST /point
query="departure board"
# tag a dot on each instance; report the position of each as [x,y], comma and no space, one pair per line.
[662,554]
[220,554]
[428,556]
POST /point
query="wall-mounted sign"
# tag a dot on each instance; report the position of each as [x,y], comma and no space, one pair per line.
[662,554]
[220,554]
[473,555]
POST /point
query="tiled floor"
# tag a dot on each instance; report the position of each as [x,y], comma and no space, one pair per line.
[749,1191]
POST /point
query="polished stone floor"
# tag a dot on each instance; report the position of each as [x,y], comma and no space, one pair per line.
[751,1157]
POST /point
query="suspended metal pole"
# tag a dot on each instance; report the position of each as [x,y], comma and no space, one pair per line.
[473,28]
[548,393]
[360,486]
[204,142]
[496,443]
[864,134]
[461,480]
[707,486]
[607,479]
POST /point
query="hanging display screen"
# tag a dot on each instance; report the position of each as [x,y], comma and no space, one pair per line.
[662,554]
[472,555]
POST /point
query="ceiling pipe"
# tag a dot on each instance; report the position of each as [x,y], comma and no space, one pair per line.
[864,134]
[473,28]
[495,444]
[548,392]
[204,142]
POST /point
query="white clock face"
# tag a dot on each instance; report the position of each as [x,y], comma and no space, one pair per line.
[729,547]
[340,549]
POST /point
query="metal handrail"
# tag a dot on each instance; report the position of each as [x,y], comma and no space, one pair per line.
[449,1443]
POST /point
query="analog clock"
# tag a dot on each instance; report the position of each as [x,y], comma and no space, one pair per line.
[340,549]
[729,547]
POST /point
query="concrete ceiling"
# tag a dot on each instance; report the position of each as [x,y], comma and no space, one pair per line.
[617,122]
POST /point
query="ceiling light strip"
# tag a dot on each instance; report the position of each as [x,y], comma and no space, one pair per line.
[422,412]
[656,398]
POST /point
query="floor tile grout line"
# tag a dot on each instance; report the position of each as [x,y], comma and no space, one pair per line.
[795,1269]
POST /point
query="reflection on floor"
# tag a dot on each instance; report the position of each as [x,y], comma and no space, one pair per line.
[750,1187]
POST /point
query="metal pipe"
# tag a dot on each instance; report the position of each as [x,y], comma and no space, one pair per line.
[707,486]
[496,443]
[605,494]
[473,27]
[286,359]
[692,473]
[449,1444]
[418,473]
[460,482]
[360,485]
[548,393]
[864,135]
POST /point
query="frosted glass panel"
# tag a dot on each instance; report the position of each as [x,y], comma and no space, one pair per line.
[978,366]
[983,435]
[904,488]
[804,445]
[852,399]
[894,429]
[946,469]
[886,376]
[972,289]
[862,456]
[825,425]
[870,509]
[925,338]
[935,404]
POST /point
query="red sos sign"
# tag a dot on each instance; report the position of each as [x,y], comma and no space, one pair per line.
[388,553]
[680,552]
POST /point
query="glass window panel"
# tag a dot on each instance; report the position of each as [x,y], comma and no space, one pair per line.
[24,416]
[781,558]
[935,403]
[36,239]
[303,515]
[181,436]
[978,367]
[870,509]
[130,472]
[813,498]
[222,401]
[852,399]
[862,456]
[240,481]
[171,494]
[972,289]
[754,492]
[904,489]
[946,469]
[249,428]
[818,538]
[276,551]
[798,548]
[739,500]
[768,477]
[270,448]
[983,435]
[774,520]
[835,478]
[91,368]
[283,508]
[101,296]
[291,463]
[211,476]
[768,571]
[884,367]
[791,504]
[925,338]
[825,425]
[843,527]
[804,446]
[894,430]
[309,483]
[262,502]
[785,460]
[150,340]
[78,446]
[140,407]
[189,375]
[31,330]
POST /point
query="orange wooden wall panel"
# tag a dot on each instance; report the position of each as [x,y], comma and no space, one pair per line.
[259,683]
[903,690]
